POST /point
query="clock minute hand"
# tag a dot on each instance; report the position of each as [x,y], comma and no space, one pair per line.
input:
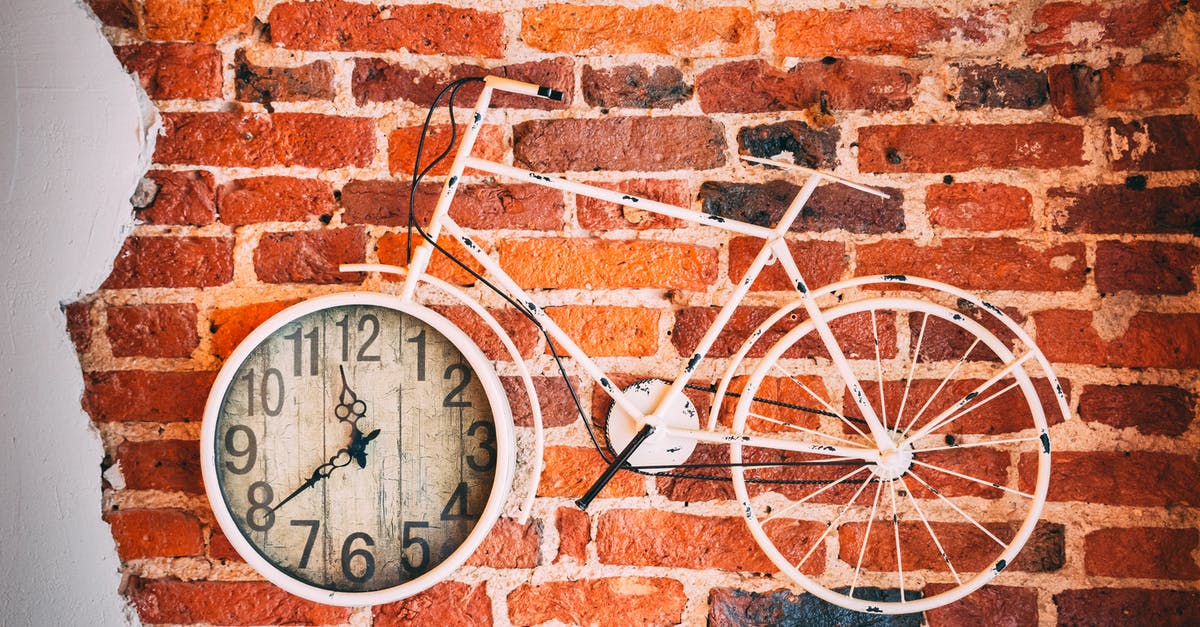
[339,460]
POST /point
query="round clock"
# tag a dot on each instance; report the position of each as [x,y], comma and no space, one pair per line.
[356,449]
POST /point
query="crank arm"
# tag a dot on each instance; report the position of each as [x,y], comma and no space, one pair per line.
[613,467]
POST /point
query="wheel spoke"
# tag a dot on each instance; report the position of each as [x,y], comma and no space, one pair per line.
[802,501]
[948,416]
[879,371]
[803,429]
[929,528]
[896,534]
[822,401]
[958,509]
[912,367]
[862,550]
[961,360]
[975,444]
[970,478]
[832,525]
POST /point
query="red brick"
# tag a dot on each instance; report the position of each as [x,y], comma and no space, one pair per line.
[1074,88]
[150,261]
[376,80]
[1157,143]
[510,545]
[1152,84]
[115,13]
[634,86]
[1142,552]
[142,533]
[978,206]
[258,140]
[309,256]
[1146,267]
[174,70]
[727,31]
[274,199]
[1118,607]
[558,410]
[256,83]
[184,197]
[1152,340]
[171,465]
[989,605]
[403,142]
[959,148]
[598,264]
[475,206]
[226,603]
[604,331]
[219,548]
[1076,26]
[691,324]
[230,325]
[969,549]
[570,471]
[392,249]
[195,20]
[523,333]
[420,29]
[79,325]
[980,264]
[754,86]
[142,395]
[610,602]
[830,208]
[652,538]
[1005,414]
[1139,478]
[1152,409]
[454,604]
[820,262]
[561,145]
[864,30]
[1143,210]
[167,330]
[600,215]
[574,533]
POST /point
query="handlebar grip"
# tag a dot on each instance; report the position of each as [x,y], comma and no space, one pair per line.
[518,87]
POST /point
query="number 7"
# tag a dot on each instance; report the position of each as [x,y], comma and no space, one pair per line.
[312,525]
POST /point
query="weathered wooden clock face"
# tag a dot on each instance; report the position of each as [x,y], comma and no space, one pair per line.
[355,448]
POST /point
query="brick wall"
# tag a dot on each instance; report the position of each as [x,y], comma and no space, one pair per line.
[1013,135]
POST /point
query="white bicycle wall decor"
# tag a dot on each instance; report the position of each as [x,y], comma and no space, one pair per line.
[887,436]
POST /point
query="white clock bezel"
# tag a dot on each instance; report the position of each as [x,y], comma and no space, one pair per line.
[501,483]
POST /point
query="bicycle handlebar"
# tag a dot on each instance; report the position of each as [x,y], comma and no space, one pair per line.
[528,89]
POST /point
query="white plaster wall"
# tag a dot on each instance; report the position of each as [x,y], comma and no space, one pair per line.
[71,135]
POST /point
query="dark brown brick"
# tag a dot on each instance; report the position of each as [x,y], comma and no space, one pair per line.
[989,605]
[115,13]
[634,86]
[310,256]
[1152,409]
[733,607]
[830,208]
[841,84]
[184,197]
[1001,87]
[1153,84]
[1143,210]
[256,83]
[619,144]
[554,399]
[1138,478]
[1074,88]
[376,80]
[810,147]
[150,261]
[1164,142]
[1120,607]
[1146,267]
[79,325]
[419,28]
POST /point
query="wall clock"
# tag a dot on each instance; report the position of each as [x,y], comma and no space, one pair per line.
[356,449]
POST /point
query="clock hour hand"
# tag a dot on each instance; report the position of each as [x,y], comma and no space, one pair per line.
[350,409]
[339,460]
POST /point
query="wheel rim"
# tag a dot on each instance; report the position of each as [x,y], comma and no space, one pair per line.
[841,563]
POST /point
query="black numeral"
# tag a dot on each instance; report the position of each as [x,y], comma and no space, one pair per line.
[260,496]
[312,525]
[264,387]
[419,340]
[487,444]
[363,322]
[250,452]
[314,353]
[457,390]
[415,566]
[456,507]
[348,555]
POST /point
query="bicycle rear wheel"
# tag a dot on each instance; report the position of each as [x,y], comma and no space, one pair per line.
[938,516]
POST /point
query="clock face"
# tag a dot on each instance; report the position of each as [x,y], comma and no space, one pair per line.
[354,448]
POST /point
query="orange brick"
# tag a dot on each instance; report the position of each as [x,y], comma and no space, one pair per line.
[142,533]
[1151,340]
[510,545]
[418,28]
[958,148]
[819,33]
[402,147]
[610,331]
[613,602]
[230,325]
[978,206]
[980,264]
[598,264]
[226,603]
[194,20]
[392,249]
[570,471]
[718,31]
